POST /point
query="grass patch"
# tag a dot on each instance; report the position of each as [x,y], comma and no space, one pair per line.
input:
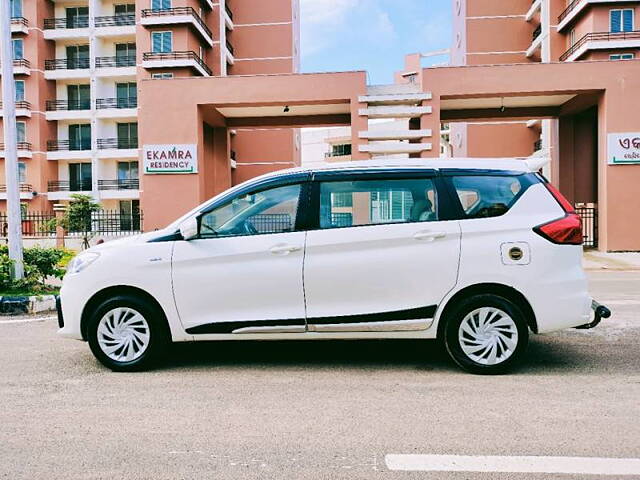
[36,291]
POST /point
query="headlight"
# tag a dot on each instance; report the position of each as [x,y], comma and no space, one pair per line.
[81,261]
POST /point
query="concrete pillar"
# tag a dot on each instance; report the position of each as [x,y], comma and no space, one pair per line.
[359,123]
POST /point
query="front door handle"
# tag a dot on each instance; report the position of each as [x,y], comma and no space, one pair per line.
[284,249]
[429,236]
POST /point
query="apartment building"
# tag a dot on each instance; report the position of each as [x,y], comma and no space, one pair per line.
[494,32]
[77,69]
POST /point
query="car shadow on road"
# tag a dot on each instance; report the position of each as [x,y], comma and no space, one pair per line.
[544,355]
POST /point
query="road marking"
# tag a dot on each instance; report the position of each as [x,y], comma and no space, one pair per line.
[516,464]
[27,320]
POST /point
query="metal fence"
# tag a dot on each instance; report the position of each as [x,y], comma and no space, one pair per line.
[43,224]
[272,223]
[589,215]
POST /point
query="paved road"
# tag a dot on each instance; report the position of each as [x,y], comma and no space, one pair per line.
[316,410]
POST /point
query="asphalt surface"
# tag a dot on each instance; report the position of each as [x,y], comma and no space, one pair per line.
[316,410]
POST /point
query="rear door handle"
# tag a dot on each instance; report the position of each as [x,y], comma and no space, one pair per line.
[284,249]
[428,235]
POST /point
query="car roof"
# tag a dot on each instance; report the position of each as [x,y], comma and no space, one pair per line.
[529,164]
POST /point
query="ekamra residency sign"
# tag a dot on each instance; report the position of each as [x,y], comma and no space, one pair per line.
[623,148]
[176,159]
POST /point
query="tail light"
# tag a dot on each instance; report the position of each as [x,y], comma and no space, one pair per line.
[566,230]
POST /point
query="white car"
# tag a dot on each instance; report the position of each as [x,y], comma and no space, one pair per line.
[476,253]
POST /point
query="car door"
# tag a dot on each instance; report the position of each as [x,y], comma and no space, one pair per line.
[243,273]
[382,255]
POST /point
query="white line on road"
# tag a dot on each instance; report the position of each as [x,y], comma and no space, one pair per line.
[516,464]
[27,320]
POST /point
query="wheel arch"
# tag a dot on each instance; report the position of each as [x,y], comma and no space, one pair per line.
[111,292]
[499,289]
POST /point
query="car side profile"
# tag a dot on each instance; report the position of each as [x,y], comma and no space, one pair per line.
[475,253]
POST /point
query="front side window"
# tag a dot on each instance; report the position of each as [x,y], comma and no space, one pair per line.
[161,42]
[266,212]
[374,202]
[621,20]
[483,196]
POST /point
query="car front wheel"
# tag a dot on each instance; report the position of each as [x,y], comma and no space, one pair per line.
[127,334]
[486,334]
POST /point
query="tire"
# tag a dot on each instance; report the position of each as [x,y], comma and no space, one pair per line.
[486,334]
[127,333]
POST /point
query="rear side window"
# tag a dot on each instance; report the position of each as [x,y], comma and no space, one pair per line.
[374,202]
[483,196]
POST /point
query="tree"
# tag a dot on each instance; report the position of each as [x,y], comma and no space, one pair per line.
[77,218]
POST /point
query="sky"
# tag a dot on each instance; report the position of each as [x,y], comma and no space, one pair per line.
[372,35]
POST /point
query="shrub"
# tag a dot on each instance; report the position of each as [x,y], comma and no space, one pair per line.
[39,263]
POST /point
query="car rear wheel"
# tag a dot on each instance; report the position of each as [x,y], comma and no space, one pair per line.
[486,334]
[127,334]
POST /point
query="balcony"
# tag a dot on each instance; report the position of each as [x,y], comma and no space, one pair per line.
[23,109]
[119,189]
[128,184]
[66,68]
[115,25]
[118,143]
[25,190]
[19,25]
[577,6]
[66,28]
[176,59]
[66,150]
[599,41]
[21,67]
[116,107]
[177,15]
[24,150]
[124,65]
[536,6]
[68,186]
[536,41]
[228,18]
[120,148]
[68,109]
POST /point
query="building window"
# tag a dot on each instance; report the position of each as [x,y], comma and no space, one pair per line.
[127,135]
[622,56]
[126,95]
[340,150]
[19,90]
[77,17]
[160,4]
[161,42]
[78,97]
[127,171]
[16,8]
[18,48]
[124,9]
[162,76]
[80,179]
[621,20]
[22,172]
[80,137]
[21,132]
[572,37]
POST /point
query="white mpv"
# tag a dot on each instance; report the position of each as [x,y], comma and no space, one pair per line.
[476,253]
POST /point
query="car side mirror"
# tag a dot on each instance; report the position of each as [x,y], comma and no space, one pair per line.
[189,229]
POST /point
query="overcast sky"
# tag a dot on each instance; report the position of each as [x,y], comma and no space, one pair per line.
[372,35]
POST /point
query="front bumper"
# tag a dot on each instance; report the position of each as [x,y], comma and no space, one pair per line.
[599,312]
